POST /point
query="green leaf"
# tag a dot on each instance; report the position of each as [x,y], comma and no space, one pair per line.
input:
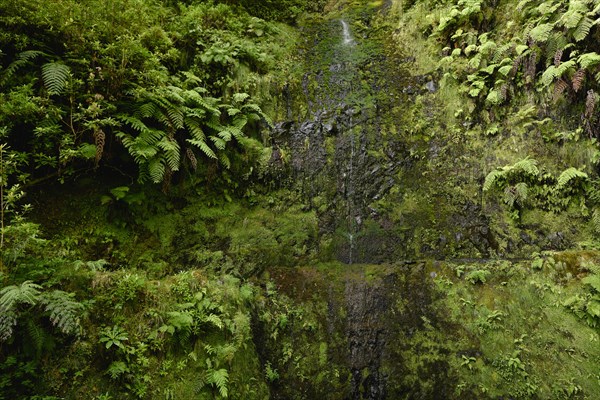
[55,76]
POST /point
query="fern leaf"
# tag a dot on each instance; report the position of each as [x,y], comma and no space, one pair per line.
[172,153]
[8,320]
[219,143]
[491,179]
[596,220]
[26,293]
[215,320]
[589,60]
[37,336]
[201,144]
[240,97]
[224,160]
[64,311]
[541,33]
[549,75]
[521,191]
[176,117]
[578,79]
[21,60]
[592,281]
[55,76]
[146,110]
[219,378]
[583,29]
[133,122]
[156,169]
[528,166]
[195,129]
[568,175]
[590,103]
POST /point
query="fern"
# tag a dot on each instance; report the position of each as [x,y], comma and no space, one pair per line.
[172,153]
[64,312]
[589,60]
[527,165]
[492,179]
[55,76]
[596,220]
[220,379]
[541,33]
[21,60]
[8,320]
[569,175]
[156,169]
[201,144]
[583,29]
[26,293]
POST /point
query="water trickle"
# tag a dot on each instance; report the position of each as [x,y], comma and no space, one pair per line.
[348,39]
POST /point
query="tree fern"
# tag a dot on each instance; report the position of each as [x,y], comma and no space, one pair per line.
[541,33]
[64,312]
[569,175]
[583,29]
[589,60]
[25,293]
[492,179]
[55,76]
[20,61]
[527,166]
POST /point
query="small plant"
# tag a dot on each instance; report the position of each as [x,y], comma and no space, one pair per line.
[114,336]
[478,276]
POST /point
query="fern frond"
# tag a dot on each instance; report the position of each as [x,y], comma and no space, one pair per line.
[21,60]
[559,89]
[578,79]
[37,336]
[528,166]
[64,312]
[521,191]
[172,153]
[55,76]
[491,179]
[583,29]
[8,321]
[146,110]
[195,128]
[568,175]
[589,60]
[25,293]
[224,160]
[133,122]
[156,169]
[219,143]
[219,378]
[590,103]
[203,146]
[596,220]
[541,33]
[510,196]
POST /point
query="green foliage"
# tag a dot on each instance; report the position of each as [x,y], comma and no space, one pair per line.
[114,336]
[55,76]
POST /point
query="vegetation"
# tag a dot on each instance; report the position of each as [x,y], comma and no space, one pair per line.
[300,200]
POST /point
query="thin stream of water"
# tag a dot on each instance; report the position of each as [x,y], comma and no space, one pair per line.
[348,39]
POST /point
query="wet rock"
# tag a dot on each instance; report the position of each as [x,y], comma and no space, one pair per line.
[431,86]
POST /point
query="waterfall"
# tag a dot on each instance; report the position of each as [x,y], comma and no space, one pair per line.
[348,39]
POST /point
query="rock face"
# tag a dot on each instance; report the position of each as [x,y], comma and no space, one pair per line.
[341,159]
[367,332]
